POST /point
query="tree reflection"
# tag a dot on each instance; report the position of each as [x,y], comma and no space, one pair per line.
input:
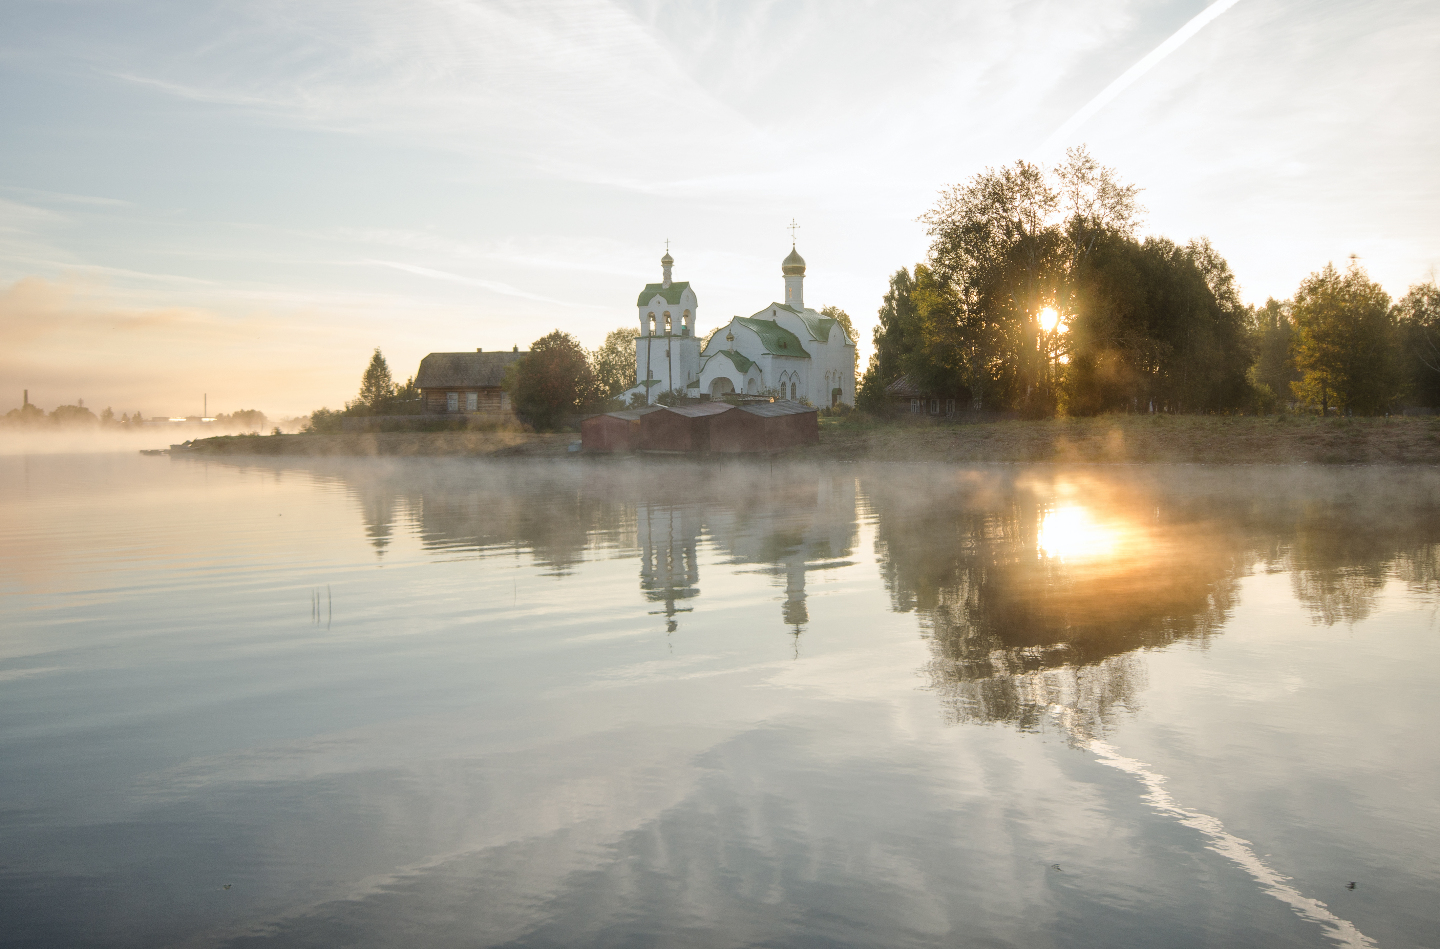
[1038,588]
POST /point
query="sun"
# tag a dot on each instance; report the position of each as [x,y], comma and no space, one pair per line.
[1049,318]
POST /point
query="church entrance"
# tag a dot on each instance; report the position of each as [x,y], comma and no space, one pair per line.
[721,386]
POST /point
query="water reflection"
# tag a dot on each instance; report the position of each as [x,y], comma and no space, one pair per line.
[627,752]
[1036,590]
[1034,586]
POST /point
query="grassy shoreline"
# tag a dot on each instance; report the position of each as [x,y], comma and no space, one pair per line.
[1118,439]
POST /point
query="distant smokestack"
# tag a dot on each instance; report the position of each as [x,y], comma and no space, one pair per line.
[27,396]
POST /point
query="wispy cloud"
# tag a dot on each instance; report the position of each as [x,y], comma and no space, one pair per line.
[1063,135]
[494,286]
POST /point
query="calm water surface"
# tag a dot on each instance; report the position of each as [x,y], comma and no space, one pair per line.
[374,703]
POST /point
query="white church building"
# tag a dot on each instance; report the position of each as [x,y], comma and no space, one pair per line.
[784,350]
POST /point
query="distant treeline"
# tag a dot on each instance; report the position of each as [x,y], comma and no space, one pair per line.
[1037,298]
[30,415]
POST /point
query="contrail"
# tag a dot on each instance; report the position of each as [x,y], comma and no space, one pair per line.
[1060,135]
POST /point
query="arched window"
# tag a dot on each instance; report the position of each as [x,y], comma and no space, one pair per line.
[667,322]
[650,323]
[792,391]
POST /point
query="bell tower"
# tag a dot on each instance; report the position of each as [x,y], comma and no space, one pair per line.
[667,351]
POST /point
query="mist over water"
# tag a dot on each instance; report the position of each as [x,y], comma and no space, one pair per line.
[454,703]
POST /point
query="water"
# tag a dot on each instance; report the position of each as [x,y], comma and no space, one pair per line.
[424,703]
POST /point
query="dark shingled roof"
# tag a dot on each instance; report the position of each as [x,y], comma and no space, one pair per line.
[904,387]
[464,370]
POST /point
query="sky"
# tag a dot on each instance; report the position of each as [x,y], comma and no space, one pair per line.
[241,200]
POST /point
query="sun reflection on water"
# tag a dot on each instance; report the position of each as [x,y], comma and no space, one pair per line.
[1072,533]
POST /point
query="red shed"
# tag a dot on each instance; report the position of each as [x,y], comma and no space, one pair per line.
[613,431]
[681,427]
[767,426]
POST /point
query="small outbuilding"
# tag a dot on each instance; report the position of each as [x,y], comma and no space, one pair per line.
[905,395]
[765,427]
[453,383]
[614,431]
[681,427]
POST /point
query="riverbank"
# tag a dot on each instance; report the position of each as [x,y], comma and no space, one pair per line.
[1110,439]
[392,444]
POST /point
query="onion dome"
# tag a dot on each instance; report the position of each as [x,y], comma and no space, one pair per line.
[667,260]
[794,265]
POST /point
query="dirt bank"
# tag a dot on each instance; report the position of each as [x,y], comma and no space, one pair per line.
[1111,439]
[362,444]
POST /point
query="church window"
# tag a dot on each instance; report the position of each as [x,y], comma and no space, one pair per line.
[452,401]
[650,323]
[667,322]
[792,390]
[472,401]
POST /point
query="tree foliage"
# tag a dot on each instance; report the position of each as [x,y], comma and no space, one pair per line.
[1140,322]
[613,364]
[1344,342]
[1273,372]
[377,388]
[552,382]
[1417,322]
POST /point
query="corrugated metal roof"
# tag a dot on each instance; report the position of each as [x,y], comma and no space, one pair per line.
[671,294]
[631,415]
[464,370]
[700,409]
[774,409]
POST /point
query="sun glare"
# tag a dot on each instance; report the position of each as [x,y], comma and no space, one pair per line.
[1048,318]
[1070,533]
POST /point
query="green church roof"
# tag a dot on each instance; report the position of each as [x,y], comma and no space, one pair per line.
[739,359]
[777,340]
[670,293]
[819,326]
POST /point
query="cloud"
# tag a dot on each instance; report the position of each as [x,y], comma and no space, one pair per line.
[1063,135]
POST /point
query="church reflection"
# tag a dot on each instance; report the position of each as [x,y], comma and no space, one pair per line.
[669,538]
[784,526]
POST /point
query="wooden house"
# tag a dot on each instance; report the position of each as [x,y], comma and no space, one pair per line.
[904,395]
[451,383]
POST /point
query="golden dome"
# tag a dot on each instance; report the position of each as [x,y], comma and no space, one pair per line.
[794,265]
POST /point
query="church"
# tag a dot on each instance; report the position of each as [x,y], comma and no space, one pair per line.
[784,351]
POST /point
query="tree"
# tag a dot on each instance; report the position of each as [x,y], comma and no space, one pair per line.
[554,380]
[894,327]
[1417,322]
[1270,332]
[1344,342]
[613,364]
[377,388]
[73,415]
